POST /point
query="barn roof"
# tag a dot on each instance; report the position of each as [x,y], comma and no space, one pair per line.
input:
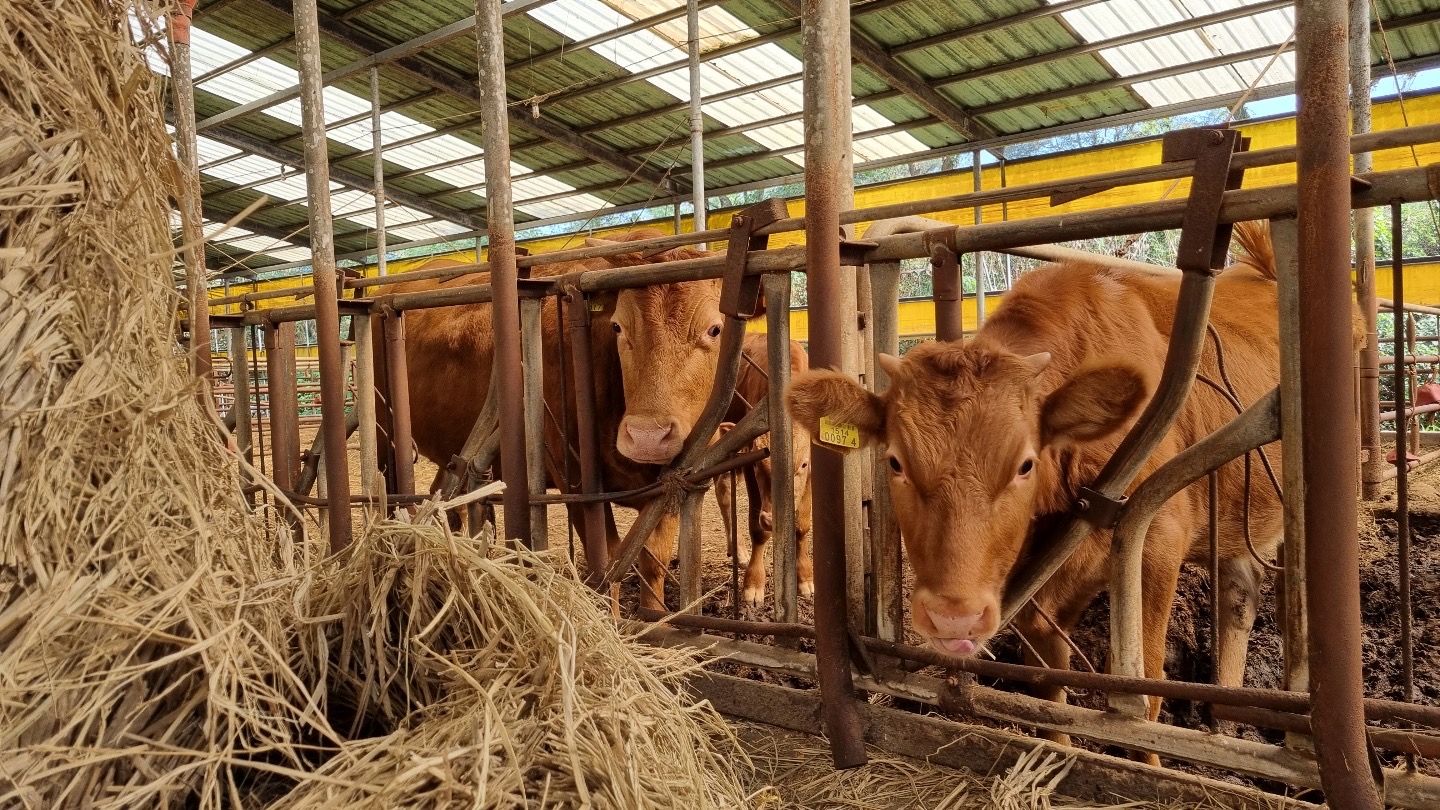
[599,92]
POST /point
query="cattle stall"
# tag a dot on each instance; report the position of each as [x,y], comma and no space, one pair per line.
[858,632]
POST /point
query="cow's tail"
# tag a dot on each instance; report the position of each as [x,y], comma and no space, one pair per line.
[1256,251]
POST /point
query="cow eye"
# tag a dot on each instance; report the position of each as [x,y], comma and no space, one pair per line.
[616,326]
[713,332]
[1026,466]
[895,466]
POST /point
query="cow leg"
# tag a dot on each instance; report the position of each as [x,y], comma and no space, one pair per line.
[655,566]
[804,562]
[755,565]
[1239,602]
[1045,647]
[1162,577]
[723,493]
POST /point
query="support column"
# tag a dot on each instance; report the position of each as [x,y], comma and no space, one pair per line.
[505,306]
[322,258]
[1372,454]
[697,119]
[533,340]
[377,158]
[191,231]
[979,257]
[824,39]
[1331,440]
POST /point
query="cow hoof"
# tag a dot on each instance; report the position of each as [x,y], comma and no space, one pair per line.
[755,597]
[807,588]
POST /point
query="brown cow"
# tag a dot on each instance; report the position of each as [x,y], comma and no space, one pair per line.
[993,438]
[752,385]
[655,352]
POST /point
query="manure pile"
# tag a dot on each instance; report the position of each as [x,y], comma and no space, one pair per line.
[162,646]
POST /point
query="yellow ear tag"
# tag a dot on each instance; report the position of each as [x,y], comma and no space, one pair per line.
[596,305]
[839,433]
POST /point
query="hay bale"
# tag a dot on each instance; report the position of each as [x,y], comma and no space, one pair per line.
[160,645]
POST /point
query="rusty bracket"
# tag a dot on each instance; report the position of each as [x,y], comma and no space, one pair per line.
[1098,510]
[577,313]
[1203,240]
[533,287]
[356,306]
[225,321]
[739,293]
[855,252]
[945,272]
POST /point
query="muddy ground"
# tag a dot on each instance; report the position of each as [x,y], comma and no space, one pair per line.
[1189,654]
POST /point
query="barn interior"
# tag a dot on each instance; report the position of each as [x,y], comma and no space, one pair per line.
[867,176]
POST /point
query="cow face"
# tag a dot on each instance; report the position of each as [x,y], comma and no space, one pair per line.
[973,438]
[668,337]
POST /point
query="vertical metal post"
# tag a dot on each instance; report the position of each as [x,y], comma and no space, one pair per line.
[240,376]
[1372,455]
[886,574]
[979,257]
[322,259]
[691,586]
[281,403]
[372,483]
[377,158]
[500,228]
[190,217]
[1403,404]
[597,551]
[1331,438]
[397,376]
[1295,638]
[782,455]
[533,346]
[697,118]
[824,37]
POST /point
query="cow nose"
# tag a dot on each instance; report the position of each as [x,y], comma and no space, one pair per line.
[954,633]
[649,440]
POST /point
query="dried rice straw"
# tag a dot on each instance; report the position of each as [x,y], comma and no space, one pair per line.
[160,645]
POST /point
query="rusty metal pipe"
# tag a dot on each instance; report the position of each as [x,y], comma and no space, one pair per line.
[1402,465]
[1330,438]
[1405,742]
[824,33]
[398,380]
[1372,455]
[283,412]
[721,625]
[948,294]
[322,257]
[1257,426]
[505,311]
[597,550]
[197,292]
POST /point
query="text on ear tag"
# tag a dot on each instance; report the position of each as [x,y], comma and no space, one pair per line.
[839,433]
[597,305]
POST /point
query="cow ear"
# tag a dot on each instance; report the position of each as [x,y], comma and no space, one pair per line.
[843,403]
[1093,403]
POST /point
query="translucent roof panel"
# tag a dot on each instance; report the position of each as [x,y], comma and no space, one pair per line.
[1115,18]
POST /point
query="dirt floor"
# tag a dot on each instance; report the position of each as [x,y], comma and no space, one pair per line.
[1189,656]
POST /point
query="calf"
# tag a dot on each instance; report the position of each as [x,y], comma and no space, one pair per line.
[990,440]
[750,387]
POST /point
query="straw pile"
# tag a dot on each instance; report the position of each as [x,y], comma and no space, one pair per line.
[161,646]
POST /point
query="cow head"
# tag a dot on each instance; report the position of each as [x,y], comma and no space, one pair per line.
[974,438]
[668,337]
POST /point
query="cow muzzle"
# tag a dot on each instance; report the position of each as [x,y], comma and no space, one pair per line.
[649,440]
[955,632]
